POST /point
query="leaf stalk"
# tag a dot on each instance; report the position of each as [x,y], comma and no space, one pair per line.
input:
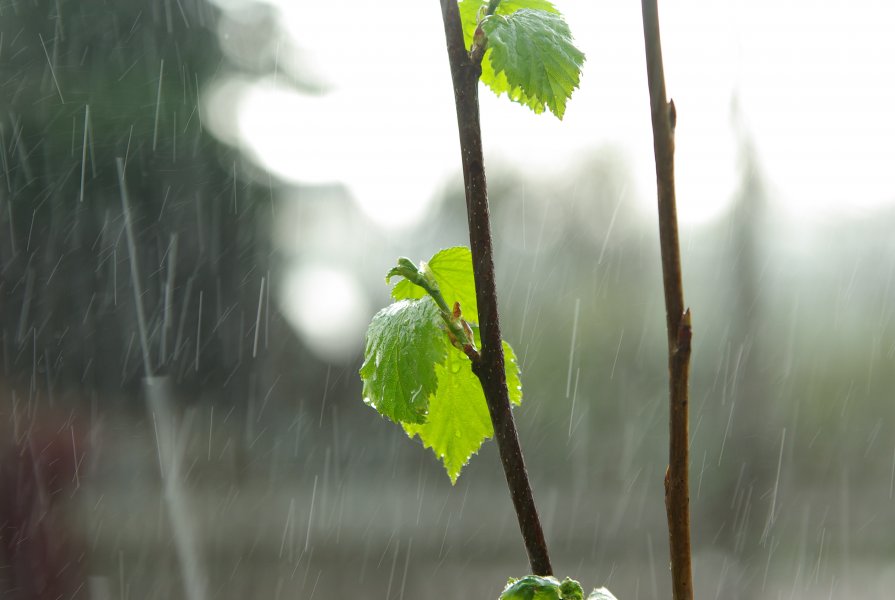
[458,330]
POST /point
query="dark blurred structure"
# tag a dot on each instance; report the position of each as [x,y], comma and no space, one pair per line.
[88,83]
[131,247]
[290,485]
[41,556]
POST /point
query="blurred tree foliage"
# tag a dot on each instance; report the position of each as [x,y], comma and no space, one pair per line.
[131,73]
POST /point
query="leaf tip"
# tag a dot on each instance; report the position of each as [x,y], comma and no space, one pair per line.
[405,269]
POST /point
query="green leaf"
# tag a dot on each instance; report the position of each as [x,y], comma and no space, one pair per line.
[415,376]
[532,58]
[535,587]
[405,346]
[469,12]
[495,77]
[458,420]
[452,268]
[408,271]
[511,368]
[571,590]
[497,81]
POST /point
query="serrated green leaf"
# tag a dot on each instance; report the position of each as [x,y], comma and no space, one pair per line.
[601,594]
[533,52]
[449,415]
[571,590]
[532,587]
[458,421]
[452,268]
[536,587]
[469,12]
[511,368]
[405,345]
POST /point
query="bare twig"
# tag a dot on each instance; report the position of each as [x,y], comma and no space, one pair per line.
[465,73]
[677,477]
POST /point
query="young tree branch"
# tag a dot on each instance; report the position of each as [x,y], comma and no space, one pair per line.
[677,477]
[490,368]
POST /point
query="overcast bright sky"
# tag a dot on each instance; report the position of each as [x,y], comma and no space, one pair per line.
[814,83]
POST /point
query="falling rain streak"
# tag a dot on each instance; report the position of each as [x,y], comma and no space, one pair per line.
[166,432]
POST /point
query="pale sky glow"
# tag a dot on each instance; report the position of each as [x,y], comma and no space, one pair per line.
[321,139]
[376,130]
[326,306]
[818,89]
[811,85]
[814,82]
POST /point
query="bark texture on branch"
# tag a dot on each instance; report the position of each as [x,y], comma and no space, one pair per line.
[465,74]
[677,477]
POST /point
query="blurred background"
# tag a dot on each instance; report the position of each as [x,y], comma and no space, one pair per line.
[200,200]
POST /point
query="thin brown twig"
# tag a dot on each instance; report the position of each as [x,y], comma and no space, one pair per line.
[677,477]
[489,368]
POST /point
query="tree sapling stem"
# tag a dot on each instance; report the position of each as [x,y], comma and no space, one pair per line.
[465,72]
[677,477]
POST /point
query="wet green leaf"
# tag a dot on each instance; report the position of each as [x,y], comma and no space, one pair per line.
[535,587]
[405,343]
[458,421]
[470,10]
[415,376]
[452,268]
[534,51]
